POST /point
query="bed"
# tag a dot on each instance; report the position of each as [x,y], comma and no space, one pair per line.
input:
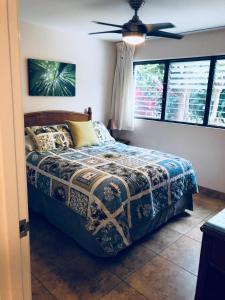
[106,197]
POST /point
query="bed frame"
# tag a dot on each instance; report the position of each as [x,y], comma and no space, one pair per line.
[52,117]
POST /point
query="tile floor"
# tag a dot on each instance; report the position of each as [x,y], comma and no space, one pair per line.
[162,266]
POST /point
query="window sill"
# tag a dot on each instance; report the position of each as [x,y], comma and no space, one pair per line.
[178,122]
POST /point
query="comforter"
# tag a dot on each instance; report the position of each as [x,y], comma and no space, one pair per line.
[113,187]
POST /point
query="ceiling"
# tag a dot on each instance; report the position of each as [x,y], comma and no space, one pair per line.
[75,15]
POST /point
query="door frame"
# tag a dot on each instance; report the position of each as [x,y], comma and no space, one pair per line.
[15,279]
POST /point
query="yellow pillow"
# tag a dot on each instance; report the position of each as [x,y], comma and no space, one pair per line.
[83,133]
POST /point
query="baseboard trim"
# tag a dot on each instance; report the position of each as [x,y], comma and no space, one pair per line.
[211,193]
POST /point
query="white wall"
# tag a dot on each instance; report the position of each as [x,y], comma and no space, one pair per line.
[95,63]
[95,60]
[205,147]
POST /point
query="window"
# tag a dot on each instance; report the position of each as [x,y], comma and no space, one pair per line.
[190,91]
[149,90]
[187,89]
[217,106]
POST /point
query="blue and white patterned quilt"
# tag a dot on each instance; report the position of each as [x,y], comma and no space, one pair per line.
[114,187]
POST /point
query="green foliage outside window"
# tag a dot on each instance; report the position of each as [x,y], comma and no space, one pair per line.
[149,89]
[187,89]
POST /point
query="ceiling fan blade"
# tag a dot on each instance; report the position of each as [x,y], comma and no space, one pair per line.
[158,26]
[111,31]
[108,24]
[164,34]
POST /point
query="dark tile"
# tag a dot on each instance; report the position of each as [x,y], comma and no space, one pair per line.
[64,268]
[52,249]
[201,210]
[195,233]
[204,206]
[39,292]
[49,254]
[161,239]
[66,271]
[185,252]
[212,202]
[124,292]
[76,269]
[163,280]
[212,193]
[183,223]
[211,216]
[129,260]
[207,207]
[221,204]
[69,283]
[39,266]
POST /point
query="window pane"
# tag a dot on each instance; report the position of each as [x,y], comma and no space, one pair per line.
[149,90]
[187,89]
[217,107]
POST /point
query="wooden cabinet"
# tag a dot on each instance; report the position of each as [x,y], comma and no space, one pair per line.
[211,275]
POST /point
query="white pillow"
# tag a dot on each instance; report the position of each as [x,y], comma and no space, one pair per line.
[102,132]
[29,144]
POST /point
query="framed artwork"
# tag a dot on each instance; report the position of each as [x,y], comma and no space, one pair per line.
[51,78]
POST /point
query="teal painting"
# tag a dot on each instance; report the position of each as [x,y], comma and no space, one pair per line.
[51,78]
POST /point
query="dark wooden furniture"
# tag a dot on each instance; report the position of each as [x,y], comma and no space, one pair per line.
[55,117]
[126,142]
[211,276]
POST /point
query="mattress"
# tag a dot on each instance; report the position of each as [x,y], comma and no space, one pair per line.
[106,197]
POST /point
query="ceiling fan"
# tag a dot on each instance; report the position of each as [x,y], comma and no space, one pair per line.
[135,31]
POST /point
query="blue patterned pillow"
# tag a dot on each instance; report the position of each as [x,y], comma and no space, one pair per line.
[102,133]
[50,137]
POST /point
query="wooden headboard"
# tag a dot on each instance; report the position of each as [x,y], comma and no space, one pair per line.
[51,117]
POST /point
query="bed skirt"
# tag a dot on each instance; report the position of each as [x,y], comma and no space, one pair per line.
[69,222]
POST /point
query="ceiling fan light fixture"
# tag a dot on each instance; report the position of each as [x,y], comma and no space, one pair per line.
[133,38]
[135,31]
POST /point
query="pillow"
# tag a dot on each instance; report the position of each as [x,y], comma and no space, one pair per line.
[48,138]
[65,130]
[29,144]
[83,133]
[102,132]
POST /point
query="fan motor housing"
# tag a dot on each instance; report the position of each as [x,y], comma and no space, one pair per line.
[136,4]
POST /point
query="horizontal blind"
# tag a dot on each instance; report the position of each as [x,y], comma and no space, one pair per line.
[149,90]
[217,106]
[187,89]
